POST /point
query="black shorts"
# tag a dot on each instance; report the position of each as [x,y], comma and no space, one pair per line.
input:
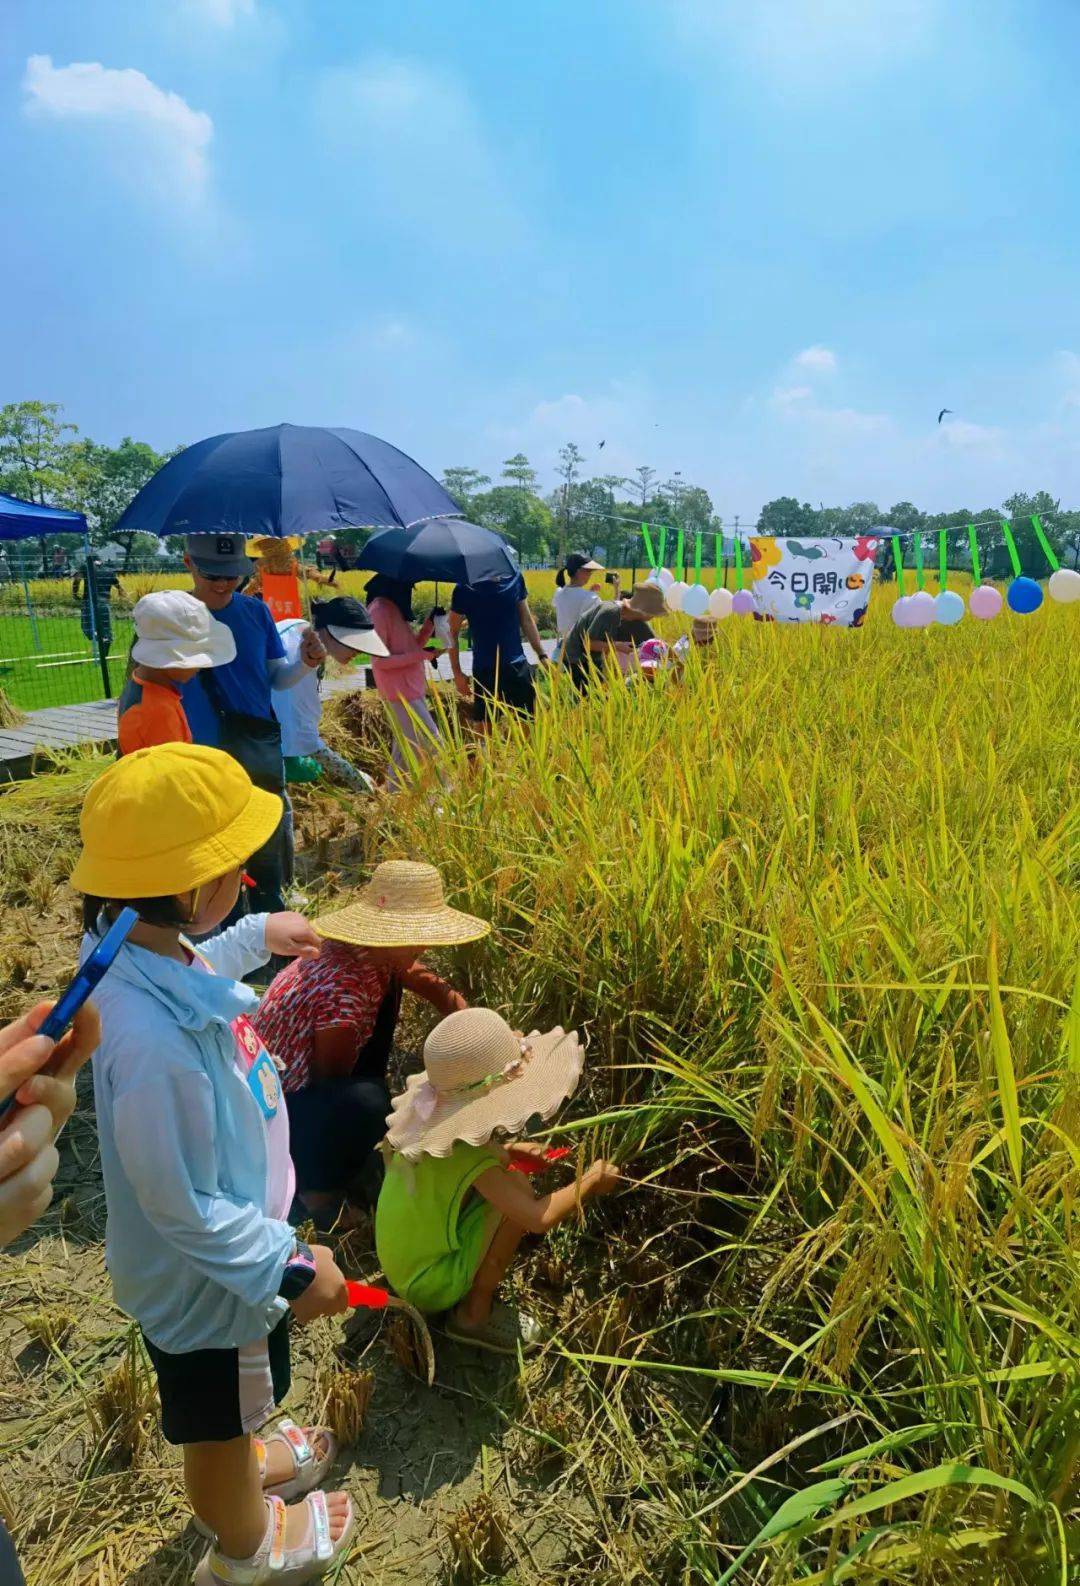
[512,684]
[214,1395]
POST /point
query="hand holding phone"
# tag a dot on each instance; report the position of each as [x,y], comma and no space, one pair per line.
[57,1022]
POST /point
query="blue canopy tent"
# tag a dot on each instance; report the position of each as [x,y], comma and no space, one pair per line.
[25,520]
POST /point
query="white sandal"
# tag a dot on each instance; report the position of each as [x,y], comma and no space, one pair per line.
[309,1468]
[274,1562]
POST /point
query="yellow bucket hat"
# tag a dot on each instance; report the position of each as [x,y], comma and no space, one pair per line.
[164,820]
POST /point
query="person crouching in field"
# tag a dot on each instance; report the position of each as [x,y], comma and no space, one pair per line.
[175,637]
[614,626]
[195,1154]
[331,1022]
[451,1213]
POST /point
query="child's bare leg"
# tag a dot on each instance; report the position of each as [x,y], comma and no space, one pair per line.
[223,1487]
[475,1308]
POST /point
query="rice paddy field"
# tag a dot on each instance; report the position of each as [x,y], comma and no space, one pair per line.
[814,904]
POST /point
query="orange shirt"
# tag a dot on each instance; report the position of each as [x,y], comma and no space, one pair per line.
[151,713]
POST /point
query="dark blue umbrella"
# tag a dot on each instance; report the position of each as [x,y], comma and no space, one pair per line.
[290,479]
[447,550]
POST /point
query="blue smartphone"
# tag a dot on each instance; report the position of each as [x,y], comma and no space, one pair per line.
[97,964]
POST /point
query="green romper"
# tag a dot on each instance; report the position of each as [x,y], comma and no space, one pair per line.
[431,1232]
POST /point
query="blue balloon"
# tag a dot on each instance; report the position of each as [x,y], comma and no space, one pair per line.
[950,608]
[1024,595]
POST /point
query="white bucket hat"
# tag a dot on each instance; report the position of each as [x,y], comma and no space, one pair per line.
[174,629]
[480,1077]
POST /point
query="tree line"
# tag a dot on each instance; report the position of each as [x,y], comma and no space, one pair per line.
[43,458]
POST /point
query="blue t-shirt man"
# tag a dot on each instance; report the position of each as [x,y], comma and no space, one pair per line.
[244,684]
[491,610]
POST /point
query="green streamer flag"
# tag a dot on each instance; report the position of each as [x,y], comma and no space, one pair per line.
[898,558]
[680,565]
[943,559]
[920,576]
[649,552]
[1010,546]
[697,558]
[738,562]
[719,568]
[1048,550]
[973,541]
[663,546]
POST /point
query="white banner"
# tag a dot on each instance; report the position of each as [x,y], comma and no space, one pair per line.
[826,581]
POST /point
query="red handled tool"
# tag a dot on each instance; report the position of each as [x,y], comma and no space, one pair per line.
[523,1162]
[363,1296]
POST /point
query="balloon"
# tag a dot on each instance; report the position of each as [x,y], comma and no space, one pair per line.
[900,612]
[1064,585]
[696,601]
[921,609]
[664,578]
[1024,595]
[950,608]
[720,604]
[676,593]
[742,603]
[985,602]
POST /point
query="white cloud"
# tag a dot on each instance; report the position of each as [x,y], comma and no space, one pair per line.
[962,435]
[816,360]
[785,396]
[620,416]
[220,13]
[807,42]
[416,149]
[165,141]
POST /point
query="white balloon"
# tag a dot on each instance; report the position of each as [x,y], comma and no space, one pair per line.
[665,579]
[921,610]
[720,604]
[676,594]
[1064,585]
[696,601]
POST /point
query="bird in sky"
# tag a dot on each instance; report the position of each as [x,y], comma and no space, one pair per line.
[942,414]
[601,446]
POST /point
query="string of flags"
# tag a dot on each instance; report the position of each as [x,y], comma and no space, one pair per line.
[829,580]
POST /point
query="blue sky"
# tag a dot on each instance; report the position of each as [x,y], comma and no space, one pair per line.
[762,243]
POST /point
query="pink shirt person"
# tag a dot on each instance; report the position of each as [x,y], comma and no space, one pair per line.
[400,677]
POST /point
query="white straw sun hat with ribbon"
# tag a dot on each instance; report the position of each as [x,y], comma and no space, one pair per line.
[480,1077]
[402,906]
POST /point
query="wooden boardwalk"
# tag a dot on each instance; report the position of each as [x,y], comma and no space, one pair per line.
[70,726]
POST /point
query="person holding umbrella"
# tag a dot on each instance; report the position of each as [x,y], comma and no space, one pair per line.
[231,707]
[497,612]
[400,676]
[94,585]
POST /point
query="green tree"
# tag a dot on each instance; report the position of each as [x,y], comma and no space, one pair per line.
[106,480]
[463,484]
[569,471]
[519,515]
[1017,511]
[520,470]
[35,457]
[645,477]
[786,516]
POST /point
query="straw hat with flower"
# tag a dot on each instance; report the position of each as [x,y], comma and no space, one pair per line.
[402,906]
[479,1077]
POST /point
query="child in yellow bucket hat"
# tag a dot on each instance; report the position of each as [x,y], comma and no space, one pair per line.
[195,1154]
[452,1213]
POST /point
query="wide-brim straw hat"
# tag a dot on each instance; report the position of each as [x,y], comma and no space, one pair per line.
[648,601]
[480,1078]
[164,820]
[403,905]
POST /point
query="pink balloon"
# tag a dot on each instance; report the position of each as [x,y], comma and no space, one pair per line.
[985,602]
[742,603]
[921,609]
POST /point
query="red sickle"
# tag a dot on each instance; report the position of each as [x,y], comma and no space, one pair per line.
[523,1162]
[361,1294]
[247,880]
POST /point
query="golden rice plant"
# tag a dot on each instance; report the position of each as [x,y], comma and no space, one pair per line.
[346,1395]
[478,1537]
[820,895]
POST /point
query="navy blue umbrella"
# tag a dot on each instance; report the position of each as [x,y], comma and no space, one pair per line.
[290,479]
[447,550]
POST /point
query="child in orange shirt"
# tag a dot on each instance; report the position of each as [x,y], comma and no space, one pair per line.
[175,637]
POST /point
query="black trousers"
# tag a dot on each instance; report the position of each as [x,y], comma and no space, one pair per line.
[335,1124]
